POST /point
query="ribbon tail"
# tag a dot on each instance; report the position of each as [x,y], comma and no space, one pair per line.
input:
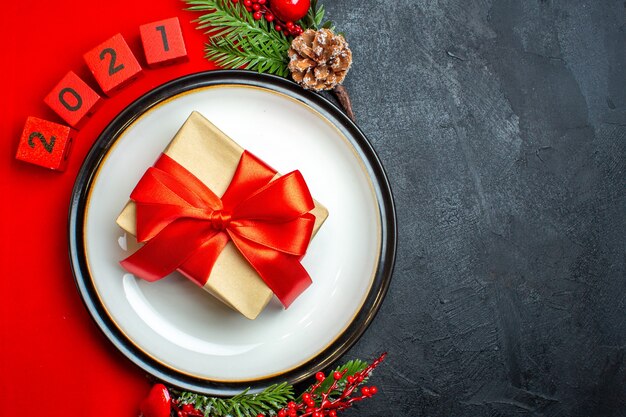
[189,235]
[199,265]
[283,273]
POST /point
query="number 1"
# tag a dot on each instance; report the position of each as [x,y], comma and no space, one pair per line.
[161,29]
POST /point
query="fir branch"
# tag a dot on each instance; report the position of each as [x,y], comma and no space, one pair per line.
[237,40]
[243,404]
[233,54]
[347,369]
[226,18]
[315,17]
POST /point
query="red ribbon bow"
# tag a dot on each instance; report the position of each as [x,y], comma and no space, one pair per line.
[186,226]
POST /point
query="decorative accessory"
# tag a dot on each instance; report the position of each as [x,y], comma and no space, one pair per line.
[183,222]
[290,10]
[259,35]
[158,403]
[319,60]
[329,394]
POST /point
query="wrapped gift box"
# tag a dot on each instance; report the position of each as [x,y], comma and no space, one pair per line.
[212,157]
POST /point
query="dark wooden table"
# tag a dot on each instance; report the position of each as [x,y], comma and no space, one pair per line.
[502,126]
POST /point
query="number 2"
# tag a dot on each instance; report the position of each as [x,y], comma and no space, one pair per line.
[112,68]
[48,146]
[166,46]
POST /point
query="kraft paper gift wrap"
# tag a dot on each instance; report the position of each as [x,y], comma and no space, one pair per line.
[205,151]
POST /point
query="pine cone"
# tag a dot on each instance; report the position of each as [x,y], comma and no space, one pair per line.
[319,60]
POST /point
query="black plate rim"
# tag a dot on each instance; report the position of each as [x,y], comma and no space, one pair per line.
[373,166]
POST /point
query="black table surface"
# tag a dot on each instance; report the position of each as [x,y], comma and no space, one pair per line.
[502,128]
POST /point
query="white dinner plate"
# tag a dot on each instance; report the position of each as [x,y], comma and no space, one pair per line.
[175,330]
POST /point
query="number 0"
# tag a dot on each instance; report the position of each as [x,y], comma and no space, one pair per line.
[77,98]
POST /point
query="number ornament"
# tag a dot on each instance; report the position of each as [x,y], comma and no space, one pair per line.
[48,146]
[113,64]
[45,143]
[163,42]
[73,99]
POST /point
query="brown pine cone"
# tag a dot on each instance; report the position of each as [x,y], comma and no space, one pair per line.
[319,60]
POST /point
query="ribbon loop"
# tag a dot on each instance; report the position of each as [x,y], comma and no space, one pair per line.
[184,224]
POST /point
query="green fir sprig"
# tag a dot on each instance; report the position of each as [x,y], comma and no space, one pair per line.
[244,404]
[315,17]
[349,368]
[269,400]
[337,392]
[237,40]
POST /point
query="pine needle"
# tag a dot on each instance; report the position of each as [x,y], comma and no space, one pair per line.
[315,17]
[272,398]
[236,40]
[351,368]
